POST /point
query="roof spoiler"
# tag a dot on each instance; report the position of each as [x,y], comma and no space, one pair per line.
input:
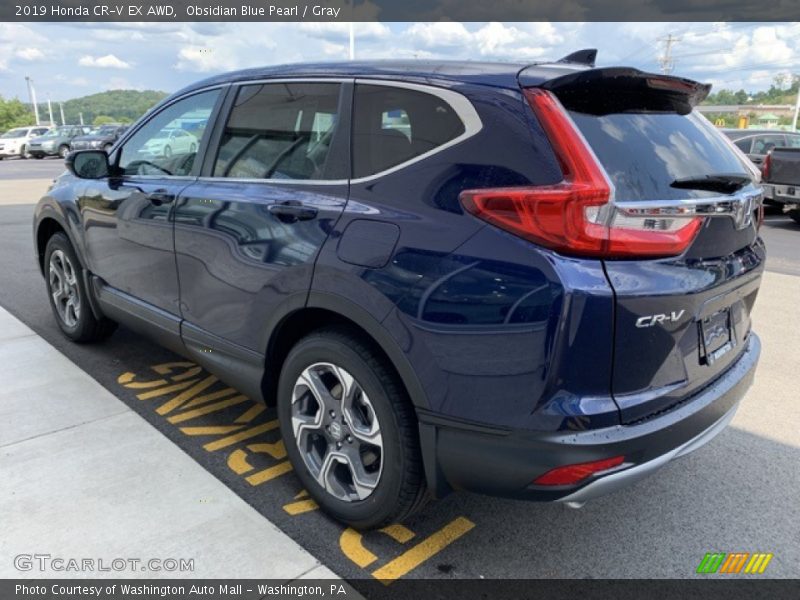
[581,57]
[625,90]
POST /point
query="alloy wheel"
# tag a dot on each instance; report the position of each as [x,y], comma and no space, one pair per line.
[64,288]
[337,432]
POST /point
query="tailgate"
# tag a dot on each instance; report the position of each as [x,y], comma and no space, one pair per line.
[784,166]
[680,322]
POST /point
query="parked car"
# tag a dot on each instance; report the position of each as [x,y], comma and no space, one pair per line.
[532,281]
[100,137]
[781,180]
[57,141]
[756,143]
[14,142]
[168,142]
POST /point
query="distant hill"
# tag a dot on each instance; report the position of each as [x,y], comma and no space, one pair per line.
[118,106]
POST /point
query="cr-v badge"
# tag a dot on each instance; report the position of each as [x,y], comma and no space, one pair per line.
[650,320]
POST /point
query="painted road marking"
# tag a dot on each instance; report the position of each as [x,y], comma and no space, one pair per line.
[193,396]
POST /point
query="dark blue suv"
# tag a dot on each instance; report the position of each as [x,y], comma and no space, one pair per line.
[533,281]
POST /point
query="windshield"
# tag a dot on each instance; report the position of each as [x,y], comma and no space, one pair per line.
[14,133]
[56,132]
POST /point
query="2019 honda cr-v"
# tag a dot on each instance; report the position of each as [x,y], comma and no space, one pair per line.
[526,280]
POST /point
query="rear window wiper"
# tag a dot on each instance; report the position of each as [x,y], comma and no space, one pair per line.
[726,183]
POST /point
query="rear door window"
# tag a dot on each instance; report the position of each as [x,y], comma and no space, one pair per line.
[393,125]
[643,153]
[764,143]
[280,131]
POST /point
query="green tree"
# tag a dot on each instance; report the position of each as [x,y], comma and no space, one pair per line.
[103,120]
[14,113]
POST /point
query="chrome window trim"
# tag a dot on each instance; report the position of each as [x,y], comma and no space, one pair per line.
[458,102]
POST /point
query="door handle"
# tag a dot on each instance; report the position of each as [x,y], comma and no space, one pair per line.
[292,210]
[160,197]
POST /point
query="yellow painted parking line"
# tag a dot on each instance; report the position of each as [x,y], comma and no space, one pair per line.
[241,436]
[205,398]
[353,548]
[252,413]
[269,474]
[412,558]
[399,533]
[210,430]
[184,397]
[300,506]
[127,379]
[209,408]
[165,390]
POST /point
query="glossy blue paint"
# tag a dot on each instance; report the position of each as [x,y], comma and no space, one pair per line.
[493,337]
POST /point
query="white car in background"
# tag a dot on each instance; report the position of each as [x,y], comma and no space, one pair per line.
[14,142]
[169,142]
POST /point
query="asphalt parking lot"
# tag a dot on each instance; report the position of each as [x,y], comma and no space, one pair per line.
[738,494]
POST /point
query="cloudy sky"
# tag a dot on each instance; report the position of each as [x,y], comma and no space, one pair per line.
[69,60]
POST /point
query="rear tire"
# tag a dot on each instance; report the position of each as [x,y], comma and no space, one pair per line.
[795,215]
[23,152]
[68,295]
[375,476]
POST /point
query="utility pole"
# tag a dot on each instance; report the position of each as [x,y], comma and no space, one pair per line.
[50,110]
[32,95]
[665,60]
[61,106]
[80,114]
[352,42]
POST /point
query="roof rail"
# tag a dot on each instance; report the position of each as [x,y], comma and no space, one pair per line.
[581,57]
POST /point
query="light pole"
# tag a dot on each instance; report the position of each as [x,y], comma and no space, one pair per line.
[32,94]
[50,110]
[61,107]
[796,111]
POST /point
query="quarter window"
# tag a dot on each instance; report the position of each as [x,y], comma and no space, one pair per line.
[167,144]
[393,125]
[744,144]
[280,131]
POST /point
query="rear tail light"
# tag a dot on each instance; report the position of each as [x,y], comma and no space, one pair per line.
[572,474]
[576,216]
[766,166]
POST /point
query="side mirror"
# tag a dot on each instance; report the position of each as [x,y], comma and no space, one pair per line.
[88,164]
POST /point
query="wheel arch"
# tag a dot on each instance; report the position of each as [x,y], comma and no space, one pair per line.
[324,310]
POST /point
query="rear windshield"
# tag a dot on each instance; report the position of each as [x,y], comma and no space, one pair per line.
[644,152]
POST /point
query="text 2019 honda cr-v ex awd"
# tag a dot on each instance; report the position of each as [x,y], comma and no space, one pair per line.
[533,281]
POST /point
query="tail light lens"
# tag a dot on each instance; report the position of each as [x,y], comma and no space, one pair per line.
[572,474]
[766,166]
[575,216]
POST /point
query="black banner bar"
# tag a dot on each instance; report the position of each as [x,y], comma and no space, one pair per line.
[730,588]
[397,10]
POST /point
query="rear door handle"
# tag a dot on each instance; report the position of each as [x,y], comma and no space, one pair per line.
[292,211]
[160,197]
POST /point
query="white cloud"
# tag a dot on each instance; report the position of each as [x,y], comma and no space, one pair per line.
[30,53]
[109,61]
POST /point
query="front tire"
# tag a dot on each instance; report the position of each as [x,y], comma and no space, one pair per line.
[63,150]
[68,295]
[795,215]
[350,430]
[23,152]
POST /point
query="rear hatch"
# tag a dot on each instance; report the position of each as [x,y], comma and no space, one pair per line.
[682,319]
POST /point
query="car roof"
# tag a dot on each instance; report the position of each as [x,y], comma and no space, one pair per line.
[498,74]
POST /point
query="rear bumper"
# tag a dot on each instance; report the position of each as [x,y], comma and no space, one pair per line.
[464,456]
[782,194]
